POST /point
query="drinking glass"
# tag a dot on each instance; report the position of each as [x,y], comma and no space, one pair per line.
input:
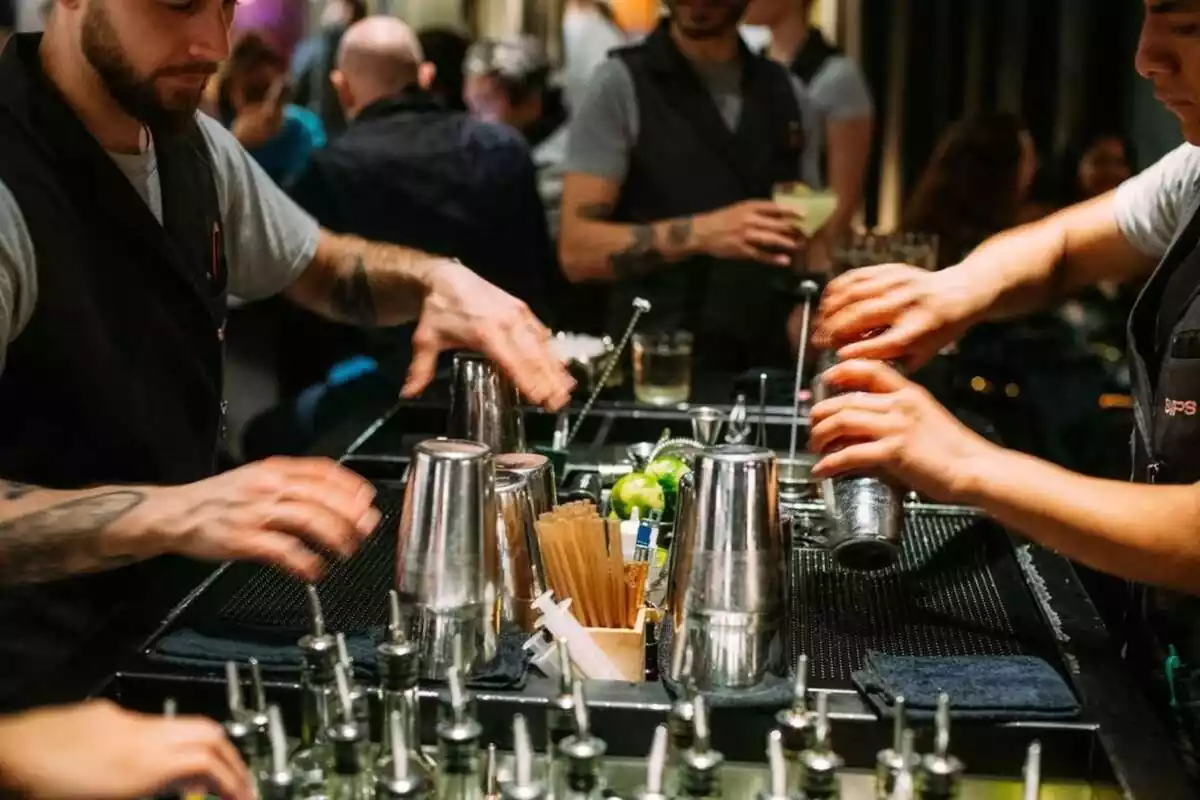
[662,367]
[815,206]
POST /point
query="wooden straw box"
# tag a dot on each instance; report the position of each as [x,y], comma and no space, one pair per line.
[626,647]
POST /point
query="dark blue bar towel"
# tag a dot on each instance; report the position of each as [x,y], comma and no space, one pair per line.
[189,648]
[992,688]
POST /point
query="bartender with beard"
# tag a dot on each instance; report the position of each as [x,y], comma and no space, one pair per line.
[670,169]
[125,218]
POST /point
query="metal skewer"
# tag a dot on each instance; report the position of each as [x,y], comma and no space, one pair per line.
[762,410]
[640,307]
[809,290]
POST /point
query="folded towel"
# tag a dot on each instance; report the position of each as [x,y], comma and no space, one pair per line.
[189,648]
[992,688]
[773,693]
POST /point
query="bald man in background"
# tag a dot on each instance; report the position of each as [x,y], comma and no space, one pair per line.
[410,171]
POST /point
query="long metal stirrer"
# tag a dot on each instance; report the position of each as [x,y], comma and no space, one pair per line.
[808,289]
[640,307]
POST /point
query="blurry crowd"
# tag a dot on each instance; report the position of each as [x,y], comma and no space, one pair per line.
[543,177]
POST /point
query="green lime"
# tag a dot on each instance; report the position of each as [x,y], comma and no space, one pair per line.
[640,491]
[667,470]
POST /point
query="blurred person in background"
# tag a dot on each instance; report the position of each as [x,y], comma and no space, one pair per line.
[842,99]
[446,50]
[253,102]
[315,58]
[671,166]
[411,172]
[508,81]
[1031,376]
[1095,163]
[590,32]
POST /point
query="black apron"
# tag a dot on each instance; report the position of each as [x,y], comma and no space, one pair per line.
[1163,631]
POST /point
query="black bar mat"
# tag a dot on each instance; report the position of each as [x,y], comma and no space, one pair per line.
[956,591]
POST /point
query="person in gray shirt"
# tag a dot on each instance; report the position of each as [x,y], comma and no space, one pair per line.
[842,99]
[1147,531]
[672,160]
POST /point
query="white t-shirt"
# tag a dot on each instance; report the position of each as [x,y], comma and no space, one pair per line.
[269,240]
[1150,206]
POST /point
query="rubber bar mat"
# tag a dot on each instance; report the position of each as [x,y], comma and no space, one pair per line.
[956,591]
[353,592]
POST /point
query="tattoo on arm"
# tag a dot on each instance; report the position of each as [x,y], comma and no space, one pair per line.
[595,211]
[679,232]
[352,298]
[640,258]
[64,539]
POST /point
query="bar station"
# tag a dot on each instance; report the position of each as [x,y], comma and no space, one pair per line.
[654,599]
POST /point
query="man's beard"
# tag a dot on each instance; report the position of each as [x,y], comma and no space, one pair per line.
[137,96]
[725,20]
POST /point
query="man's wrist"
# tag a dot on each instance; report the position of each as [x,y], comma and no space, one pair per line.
[980,475]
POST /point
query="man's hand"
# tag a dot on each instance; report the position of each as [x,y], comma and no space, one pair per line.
[886,423]
[258,123]
[461,310]
[97,751]
[756,230]
[282,511]
[920,311]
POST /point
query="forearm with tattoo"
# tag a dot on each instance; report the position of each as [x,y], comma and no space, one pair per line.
[593,245]
[363,283]
[64,535]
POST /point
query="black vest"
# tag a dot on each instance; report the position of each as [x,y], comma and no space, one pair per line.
[687,161]
[117,377]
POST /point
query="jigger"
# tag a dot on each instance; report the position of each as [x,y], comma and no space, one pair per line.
[520,575]
[446,554]
[707,424]
[734,581]
[485,406]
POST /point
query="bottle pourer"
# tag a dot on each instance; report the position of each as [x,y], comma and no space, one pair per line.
[656,767]
[358,694]
[582,753]
[491,776]
[398,781]
[941,773]
[891,762]
[279,781]
[237,730]
[560,714]
[905,784]
[681,716]
[399,663]
[256,717]
[819,765]
[777,765]
[458,734]
[522,786]
[1033,772]
[346,735]
[445,707]
[797,725]
[170,708]
[318,647]
[701,765]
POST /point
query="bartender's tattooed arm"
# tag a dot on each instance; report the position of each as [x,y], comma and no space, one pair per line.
[67,537]
[594,248]
[363,283]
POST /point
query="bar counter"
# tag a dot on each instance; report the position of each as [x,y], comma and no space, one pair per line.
[1117,742]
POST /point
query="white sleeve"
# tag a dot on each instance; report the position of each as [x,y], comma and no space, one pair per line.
[18,272]
[269,240]
[1150,205]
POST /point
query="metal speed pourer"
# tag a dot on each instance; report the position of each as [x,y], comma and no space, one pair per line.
[1033,772]
[581,757]
[395,779]
[347,737]
[239,732]
[656,768]
[277,781]
[778,786]
[522,786]
[399,667]
[892,761]
[797,725]
[458,735]
[313,762]
[819,765]
[940,774]
[700,765]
